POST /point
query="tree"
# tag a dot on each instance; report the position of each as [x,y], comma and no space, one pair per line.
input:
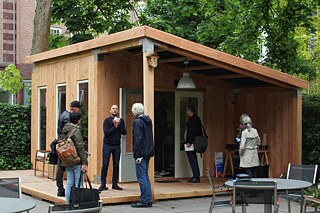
[41,31]
[237,27]
[87,19]
[10,79]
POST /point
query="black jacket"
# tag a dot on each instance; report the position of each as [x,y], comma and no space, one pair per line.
[64,118]
[142,137]
[112,135]
[194,128]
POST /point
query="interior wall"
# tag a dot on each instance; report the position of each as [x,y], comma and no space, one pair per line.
[271,111]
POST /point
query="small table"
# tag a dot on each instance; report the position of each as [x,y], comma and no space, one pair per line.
[282,184]
[16,204]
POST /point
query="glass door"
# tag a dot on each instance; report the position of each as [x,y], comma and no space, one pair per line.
[182,99]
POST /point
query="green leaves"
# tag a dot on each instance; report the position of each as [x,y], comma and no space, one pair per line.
[15,145]
[10,79]
[87,19]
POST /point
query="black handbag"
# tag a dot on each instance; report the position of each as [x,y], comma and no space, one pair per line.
[201,142]
[81,195]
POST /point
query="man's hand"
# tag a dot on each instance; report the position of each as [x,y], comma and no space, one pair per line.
[188,144]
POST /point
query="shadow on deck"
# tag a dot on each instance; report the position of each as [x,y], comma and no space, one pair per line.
[45,188]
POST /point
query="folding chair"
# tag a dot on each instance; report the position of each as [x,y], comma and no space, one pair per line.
[255,192]
[218,191]
[41,156]
[300,172]
[308,199]
[10,187]
[94,206]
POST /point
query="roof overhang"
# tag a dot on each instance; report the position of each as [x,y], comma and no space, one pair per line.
[173,50]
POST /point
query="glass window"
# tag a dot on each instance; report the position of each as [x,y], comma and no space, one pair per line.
[55,30]
[26,92]
[42,112]
[6,97]
[61,102]
[83,97]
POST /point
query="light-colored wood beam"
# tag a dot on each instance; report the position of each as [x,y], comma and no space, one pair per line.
[195,68]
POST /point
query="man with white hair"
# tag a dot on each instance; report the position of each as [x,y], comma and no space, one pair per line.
[143,150]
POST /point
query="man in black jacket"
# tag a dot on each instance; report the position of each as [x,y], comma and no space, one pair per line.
[193,129]
[113,128]
[64,118]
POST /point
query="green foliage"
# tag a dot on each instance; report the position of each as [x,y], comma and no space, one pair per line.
[87,19]
[10,79]
[237,27]
[311,129]
[57,41]
[15,128]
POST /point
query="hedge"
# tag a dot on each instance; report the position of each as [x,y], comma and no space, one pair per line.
[311,129]
[15,123]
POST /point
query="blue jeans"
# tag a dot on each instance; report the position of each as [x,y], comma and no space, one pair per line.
[73,177]
[144,181]
[107,150]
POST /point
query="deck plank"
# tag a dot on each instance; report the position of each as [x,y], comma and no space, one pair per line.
[165,188]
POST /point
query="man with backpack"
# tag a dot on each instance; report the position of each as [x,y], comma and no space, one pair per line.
[64,118]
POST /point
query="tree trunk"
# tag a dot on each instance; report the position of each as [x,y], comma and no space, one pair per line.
[41,31]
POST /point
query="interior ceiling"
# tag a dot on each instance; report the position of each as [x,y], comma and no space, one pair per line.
[207,70]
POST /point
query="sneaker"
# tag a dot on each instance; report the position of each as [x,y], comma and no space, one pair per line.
[164,172]
[102,188]
[157,174]
[61,192]
[194,180]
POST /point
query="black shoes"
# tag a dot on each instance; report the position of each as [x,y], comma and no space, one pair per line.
[102,188]
[61,192]
[116,187]
[141,205]
[194,180]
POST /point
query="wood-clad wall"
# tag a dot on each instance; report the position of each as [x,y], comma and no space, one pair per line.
[274,111]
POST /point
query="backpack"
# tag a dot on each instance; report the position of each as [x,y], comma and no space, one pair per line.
[67,151]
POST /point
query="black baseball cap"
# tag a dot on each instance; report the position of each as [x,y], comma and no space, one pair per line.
[75,104]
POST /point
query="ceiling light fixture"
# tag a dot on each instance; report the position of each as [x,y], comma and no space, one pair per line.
[186,81]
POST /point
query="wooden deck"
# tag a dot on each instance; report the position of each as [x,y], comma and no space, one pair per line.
[45,188]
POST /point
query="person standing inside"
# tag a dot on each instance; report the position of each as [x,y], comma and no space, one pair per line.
[64,118]
[113,128]
[250,142]
[73,173]
[143,150]
[194,128]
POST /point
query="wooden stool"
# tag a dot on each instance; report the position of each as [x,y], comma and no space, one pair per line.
[230,161]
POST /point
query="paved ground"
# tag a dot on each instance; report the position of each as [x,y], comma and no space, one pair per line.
[194,205]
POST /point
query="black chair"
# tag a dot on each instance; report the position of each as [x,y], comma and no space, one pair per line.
[10,187]
[255,192]
[94,206]
[42,157]
[218,191]
[313,201]
[300,172]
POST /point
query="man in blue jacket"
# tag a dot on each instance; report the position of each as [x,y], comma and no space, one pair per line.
[143,150]
[113,128]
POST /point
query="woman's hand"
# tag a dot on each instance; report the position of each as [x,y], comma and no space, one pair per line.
[84,168]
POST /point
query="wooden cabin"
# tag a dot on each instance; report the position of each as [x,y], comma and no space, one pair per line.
[144,65]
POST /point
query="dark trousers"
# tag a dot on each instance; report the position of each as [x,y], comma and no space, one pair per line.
[59,177]
[252,172]
[193,161]
[107,150]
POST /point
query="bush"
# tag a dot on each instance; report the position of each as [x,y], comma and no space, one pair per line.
[15,145]
[311,129]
